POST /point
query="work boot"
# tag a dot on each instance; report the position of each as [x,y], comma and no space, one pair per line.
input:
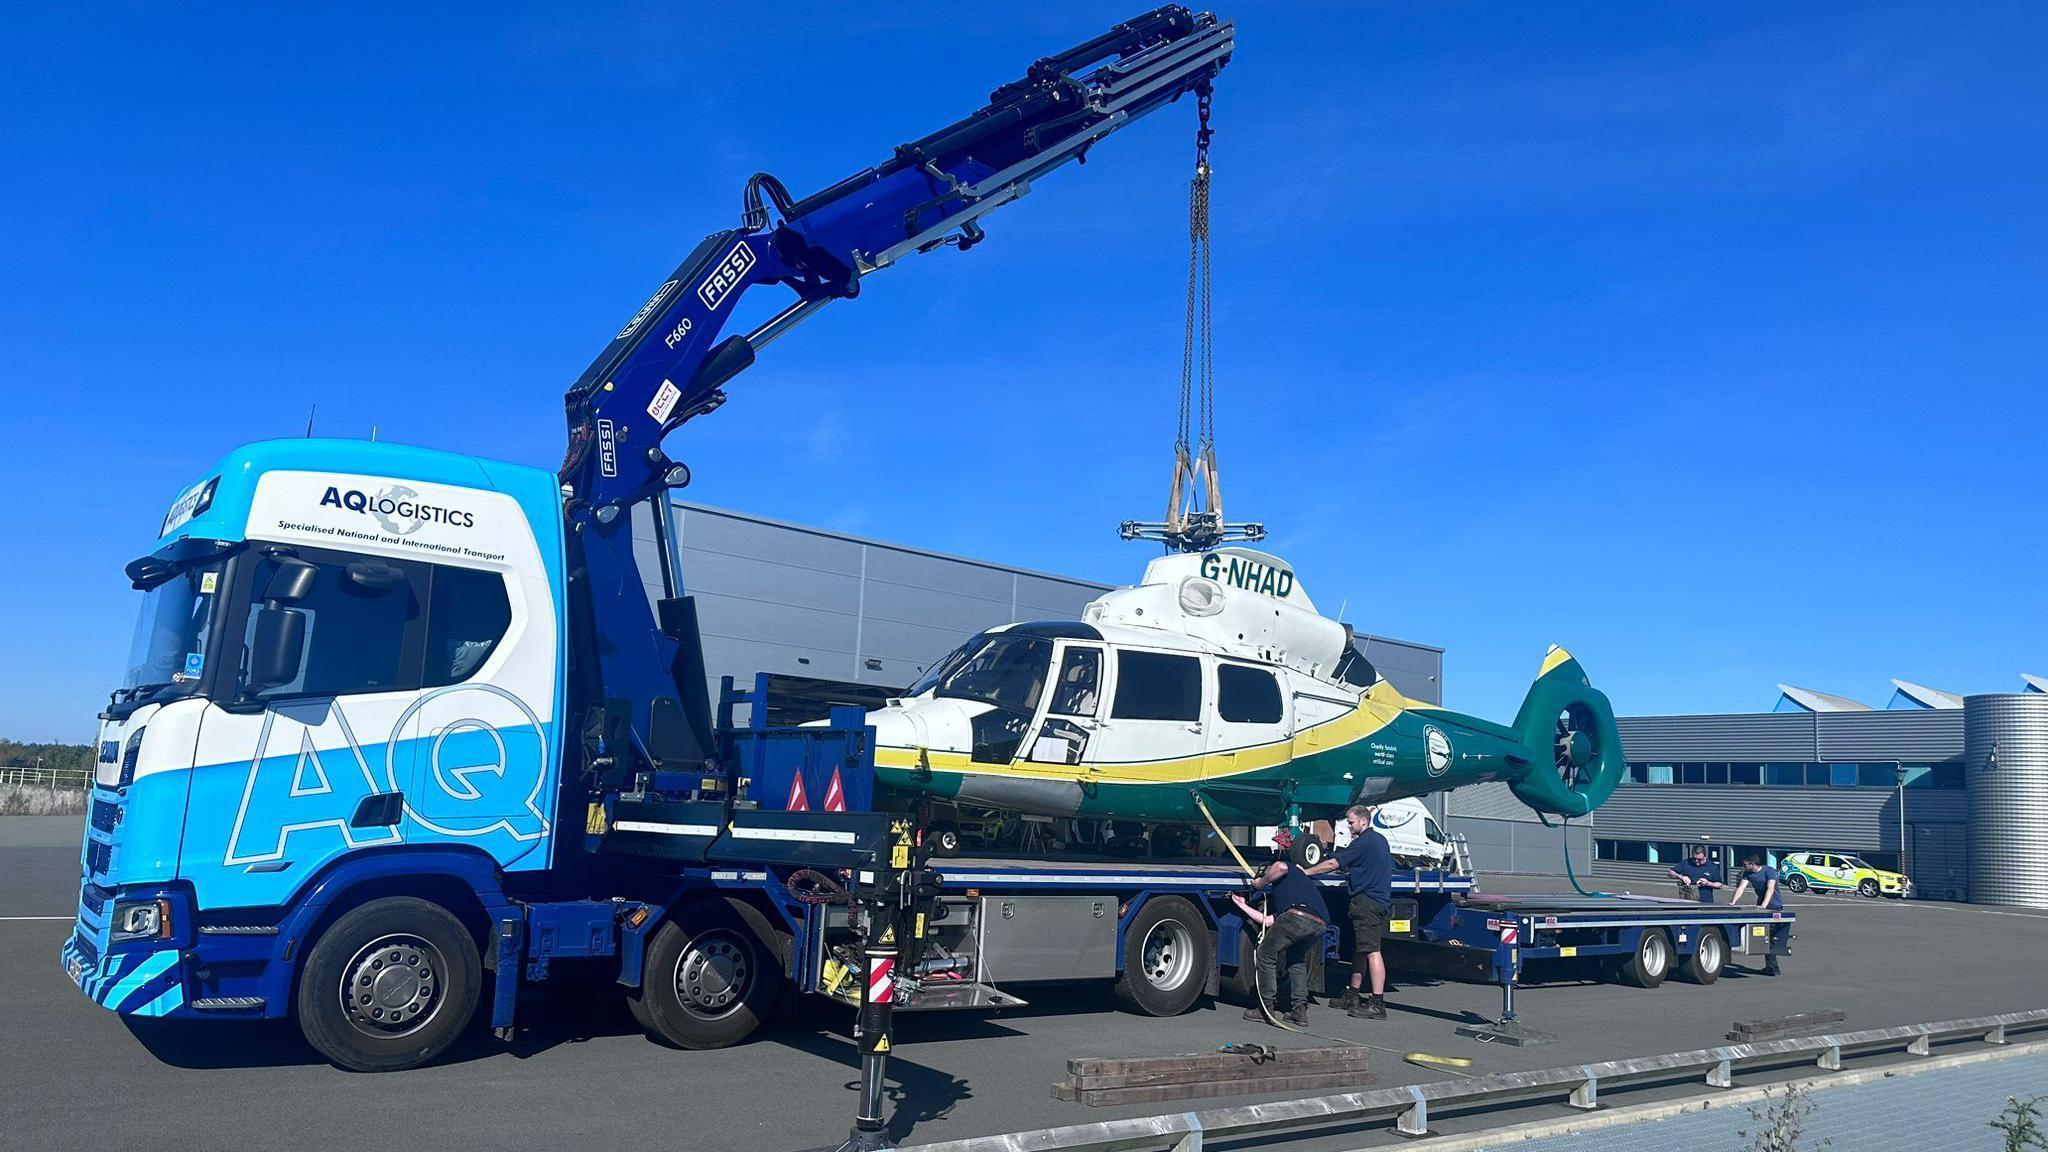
[1298,1015]
[1259,1014]
[1770,966]
[1373,1007]
[1347,1001]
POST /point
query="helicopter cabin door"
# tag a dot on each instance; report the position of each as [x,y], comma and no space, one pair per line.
[1073,705]
[1248,727]
[1152,731]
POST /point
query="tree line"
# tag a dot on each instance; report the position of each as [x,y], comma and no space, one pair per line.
[79,757]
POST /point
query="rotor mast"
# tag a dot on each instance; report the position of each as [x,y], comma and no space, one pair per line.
[1194,503]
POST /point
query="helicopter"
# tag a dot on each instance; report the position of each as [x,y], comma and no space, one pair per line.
[1212,690]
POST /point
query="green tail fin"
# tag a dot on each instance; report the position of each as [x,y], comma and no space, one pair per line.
[1575,754]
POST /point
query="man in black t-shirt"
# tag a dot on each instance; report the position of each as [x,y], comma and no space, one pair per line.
[1293,925]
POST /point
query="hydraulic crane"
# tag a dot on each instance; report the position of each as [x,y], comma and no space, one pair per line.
[642,693]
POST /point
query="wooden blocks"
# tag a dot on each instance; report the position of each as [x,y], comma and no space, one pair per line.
[1145,1080]
[1780,1027]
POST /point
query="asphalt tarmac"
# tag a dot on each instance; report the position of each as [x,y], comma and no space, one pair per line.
[580,1075]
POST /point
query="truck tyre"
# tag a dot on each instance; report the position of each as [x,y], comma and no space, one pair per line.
[389,986]
[1796,882]
[707,982]
[1652,961]
[1867,888]
[1167,956]
[946,840]
[1707,959]
[1241,984]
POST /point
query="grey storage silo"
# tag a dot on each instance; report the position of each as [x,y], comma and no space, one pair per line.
[2005,763]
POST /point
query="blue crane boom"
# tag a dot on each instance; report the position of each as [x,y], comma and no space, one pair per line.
[636,681]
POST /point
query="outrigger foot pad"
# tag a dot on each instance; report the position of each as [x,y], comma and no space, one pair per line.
[1508,1032]
[859,1141]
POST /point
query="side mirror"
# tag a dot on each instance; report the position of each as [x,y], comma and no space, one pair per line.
[276,646]
[291,583]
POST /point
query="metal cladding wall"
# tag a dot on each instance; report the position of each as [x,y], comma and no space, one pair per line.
[2005,763]
[1524,846]
[1921,736]
[1843,819]
[807,602]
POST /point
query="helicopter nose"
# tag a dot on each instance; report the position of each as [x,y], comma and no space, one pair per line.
[900,727]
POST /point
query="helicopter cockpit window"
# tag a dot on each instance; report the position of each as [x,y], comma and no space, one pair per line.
[1000,668]
[1079,686]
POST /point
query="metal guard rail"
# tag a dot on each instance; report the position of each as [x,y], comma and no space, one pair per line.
[1409,1107]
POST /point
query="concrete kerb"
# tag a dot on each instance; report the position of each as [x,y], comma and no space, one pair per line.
[1733,1098]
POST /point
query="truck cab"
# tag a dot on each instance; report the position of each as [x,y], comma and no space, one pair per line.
[346,668]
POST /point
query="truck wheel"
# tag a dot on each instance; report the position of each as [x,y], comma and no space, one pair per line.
[1796,882]
[707,982]
[1867,889]
[1652,961]
[389,986]
[1707,959]
[946,840]
[1167,957]
[1241,984]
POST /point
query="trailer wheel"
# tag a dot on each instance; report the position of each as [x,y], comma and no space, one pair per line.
[1652,961]
[707,982]
[1796,882]
[1707,959]
[389,986]
[1167,957]
[945,840]
[1867,889]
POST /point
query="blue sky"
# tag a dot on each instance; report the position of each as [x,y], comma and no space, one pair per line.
[1706,339]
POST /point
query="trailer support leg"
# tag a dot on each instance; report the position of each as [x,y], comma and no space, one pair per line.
[1506,1030]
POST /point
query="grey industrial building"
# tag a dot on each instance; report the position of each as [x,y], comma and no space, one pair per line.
[836,618]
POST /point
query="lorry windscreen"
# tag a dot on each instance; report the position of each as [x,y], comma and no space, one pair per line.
[168,650]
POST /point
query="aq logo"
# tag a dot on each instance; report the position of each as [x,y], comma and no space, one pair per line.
[471,761]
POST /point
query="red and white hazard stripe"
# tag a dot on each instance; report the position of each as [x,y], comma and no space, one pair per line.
[835,794]
[881,980]
[1509,933]
[798,802]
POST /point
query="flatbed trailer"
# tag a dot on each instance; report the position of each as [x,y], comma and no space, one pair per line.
[1166,932]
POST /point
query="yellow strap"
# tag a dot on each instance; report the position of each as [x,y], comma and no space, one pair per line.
[1234,854]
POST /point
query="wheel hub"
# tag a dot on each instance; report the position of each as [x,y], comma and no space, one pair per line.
[1167,955]
[391,985]
[712,976]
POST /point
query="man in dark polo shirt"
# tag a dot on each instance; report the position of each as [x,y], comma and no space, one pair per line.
[1368,866]
[1762,879]
[1293,925]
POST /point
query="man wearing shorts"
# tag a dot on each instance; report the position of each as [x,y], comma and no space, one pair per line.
[1368,867]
